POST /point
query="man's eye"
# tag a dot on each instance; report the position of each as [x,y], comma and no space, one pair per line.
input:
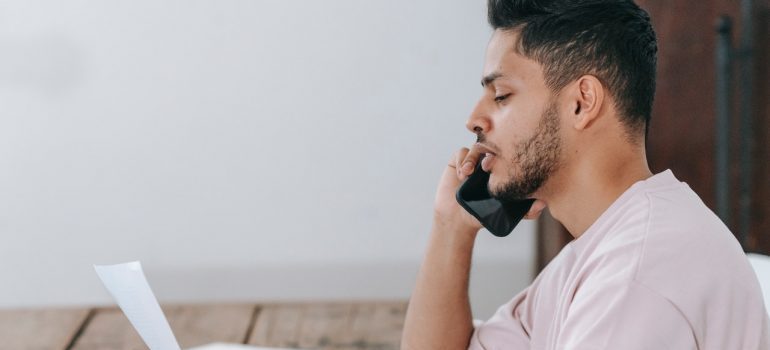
[502,97]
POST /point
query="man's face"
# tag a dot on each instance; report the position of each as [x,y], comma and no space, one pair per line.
[517,119]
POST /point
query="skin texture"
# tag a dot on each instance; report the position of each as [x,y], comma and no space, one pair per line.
[535,159]
[568,150]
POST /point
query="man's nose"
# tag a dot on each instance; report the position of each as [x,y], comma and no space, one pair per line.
[478,122]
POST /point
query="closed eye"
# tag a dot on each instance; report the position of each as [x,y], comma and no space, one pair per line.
[502,98]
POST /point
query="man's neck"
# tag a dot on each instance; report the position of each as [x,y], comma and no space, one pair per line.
[577,196]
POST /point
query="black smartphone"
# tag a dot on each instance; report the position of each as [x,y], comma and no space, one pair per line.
[497,217]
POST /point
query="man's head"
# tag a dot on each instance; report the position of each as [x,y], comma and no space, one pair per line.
[559,76]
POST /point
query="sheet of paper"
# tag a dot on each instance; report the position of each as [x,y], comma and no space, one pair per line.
[225,346]
[129,287]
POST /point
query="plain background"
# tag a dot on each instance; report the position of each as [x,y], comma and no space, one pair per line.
[242,150]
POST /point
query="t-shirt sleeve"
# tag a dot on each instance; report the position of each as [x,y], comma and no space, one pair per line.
[625,316]
[507,329]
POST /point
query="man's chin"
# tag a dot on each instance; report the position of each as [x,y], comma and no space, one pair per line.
[495,185]
[494,188]
[504,192]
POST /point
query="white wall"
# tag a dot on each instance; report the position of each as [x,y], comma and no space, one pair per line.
[242,150]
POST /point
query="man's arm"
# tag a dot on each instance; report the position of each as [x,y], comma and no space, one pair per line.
[439,313]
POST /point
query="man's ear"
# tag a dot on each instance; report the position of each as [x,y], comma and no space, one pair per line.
[587,99]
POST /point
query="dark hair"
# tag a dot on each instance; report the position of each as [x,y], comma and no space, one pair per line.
[612,40]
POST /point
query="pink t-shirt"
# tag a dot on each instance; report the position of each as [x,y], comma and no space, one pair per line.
[657,270]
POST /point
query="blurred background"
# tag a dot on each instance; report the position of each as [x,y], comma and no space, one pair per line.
[242,150]
[264,150]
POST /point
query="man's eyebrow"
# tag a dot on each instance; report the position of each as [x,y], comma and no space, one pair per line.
[490,78]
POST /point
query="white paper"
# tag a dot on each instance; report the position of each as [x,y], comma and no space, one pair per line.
[129,287]
[225,346]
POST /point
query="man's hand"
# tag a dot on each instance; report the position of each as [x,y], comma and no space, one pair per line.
[447,212]
[439,314]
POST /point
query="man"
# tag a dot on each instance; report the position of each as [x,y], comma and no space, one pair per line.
[568,90]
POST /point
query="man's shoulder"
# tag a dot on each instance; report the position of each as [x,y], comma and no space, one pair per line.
[683,233]
[664,235]
[660,238]
[690,257]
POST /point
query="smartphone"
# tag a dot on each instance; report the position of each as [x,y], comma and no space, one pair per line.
[497,217]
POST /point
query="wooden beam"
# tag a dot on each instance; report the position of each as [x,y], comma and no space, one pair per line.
[40,329]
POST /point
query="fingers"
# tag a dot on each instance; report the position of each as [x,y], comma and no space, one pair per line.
[534,212]
[456,161]
[467,163]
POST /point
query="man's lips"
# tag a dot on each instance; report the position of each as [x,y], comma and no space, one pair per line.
[489,156]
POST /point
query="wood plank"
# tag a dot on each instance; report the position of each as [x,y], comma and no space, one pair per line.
[331,326]
[278,325]
[202,324]
[109,329]
[324,325]
[376,326]
[40,329]
[193,325]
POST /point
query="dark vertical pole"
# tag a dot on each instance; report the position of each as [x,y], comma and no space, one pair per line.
[723,109]
[747,112]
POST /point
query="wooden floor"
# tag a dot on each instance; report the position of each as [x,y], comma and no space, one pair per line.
[348,326]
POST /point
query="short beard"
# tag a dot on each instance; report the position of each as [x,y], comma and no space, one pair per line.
[537,157]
